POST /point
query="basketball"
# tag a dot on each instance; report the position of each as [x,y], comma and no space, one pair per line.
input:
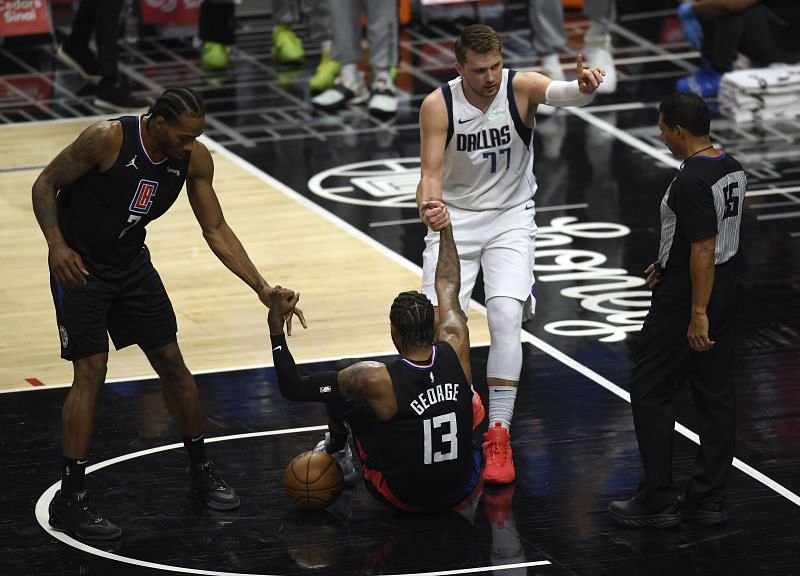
[313,480]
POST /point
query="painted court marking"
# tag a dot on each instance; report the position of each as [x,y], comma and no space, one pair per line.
[41,506]
[42,516]
[526,336]
[548,349]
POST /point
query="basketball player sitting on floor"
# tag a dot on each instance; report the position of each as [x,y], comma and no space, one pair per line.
[411,419]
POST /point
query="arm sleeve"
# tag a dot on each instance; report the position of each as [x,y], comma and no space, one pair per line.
[561,93]
[319,387]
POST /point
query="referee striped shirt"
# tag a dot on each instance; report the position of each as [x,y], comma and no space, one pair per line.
[704,200]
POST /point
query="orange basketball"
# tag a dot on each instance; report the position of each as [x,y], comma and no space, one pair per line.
[313,480]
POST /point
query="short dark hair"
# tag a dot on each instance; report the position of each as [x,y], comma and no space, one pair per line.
[479,38]
[412,315]
[177,102]
[687,110]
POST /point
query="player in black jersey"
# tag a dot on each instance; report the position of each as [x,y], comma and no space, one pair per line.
[689,332]
[412,418]
[92,203]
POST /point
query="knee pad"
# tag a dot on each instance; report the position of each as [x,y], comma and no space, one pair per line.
[505,353]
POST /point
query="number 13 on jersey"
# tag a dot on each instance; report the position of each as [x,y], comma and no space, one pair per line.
[442,429]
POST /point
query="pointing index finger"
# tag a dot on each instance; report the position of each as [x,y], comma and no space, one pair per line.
[580,65]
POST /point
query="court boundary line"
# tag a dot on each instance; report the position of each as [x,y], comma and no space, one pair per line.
[543,346]
[526,336]
[42,516]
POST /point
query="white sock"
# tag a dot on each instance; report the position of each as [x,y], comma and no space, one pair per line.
[551,61]
[551,65]
[501,405]
[350,75]
[597,29]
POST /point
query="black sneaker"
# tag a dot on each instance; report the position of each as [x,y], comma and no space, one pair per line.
[118,97]
[633,513]
[708,512]
[75,517]
[207,485]
[83,61]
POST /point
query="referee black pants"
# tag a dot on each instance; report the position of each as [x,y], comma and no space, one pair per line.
[664,362]
[757,32]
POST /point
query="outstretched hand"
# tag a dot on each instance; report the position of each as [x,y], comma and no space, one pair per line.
[589,79]
[435,215]
[282,304]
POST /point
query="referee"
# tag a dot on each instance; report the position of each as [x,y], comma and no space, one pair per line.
[689,331]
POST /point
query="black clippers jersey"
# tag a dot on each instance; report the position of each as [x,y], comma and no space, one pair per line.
[426,448]
[103,215]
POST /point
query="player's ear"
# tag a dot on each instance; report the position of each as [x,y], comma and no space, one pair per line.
[160,123]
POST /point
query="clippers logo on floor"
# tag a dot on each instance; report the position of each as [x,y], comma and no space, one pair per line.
[391,182]
[143,199]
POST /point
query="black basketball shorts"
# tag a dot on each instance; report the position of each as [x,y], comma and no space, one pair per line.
[130,304]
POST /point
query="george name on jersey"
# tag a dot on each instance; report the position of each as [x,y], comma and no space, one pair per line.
[434,395]
[487,138]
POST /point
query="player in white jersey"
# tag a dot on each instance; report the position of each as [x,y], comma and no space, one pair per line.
[477,158]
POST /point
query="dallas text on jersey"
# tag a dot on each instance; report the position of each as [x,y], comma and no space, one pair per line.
[490,138]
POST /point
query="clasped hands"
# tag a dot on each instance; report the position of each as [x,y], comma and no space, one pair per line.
[282,304]
[434,215]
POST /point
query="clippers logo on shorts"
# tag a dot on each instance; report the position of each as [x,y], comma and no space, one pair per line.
[143,199]
[64,336]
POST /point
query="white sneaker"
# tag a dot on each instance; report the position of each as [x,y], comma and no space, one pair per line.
[383,96]
[340,95]
[343,457]
[551,67]
[598,55]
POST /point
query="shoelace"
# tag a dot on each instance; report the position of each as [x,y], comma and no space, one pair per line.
[212,475]
[495,453]
[87,510]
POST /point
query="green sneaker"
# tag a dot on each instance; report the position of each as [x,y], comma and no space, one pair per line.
[286,46]
[214,56]
[325,75]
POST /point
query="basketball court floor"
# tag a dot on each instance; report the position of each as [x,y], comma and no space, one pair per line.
[324,203]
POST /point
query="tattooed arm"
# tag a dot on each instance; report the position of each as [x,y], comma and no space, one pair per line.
[97,146]
[371,381]
[453,321]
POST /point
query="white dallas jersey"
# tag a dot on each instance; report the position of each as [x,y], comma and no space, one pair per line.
[488,159]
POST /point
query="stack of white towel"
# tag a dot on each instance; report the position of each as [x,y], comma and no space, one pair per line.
[761,93]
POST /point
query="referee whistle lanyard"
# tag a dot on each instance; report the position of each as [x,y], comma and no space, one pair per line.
[695,154]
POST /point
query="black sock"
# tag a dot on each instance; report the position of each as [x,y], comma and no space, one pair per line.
[338,440]
[196,448]
[73,476]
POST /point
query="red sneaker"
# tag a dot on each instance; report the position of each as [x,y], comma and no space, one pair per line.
[497,454]
[497,504]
